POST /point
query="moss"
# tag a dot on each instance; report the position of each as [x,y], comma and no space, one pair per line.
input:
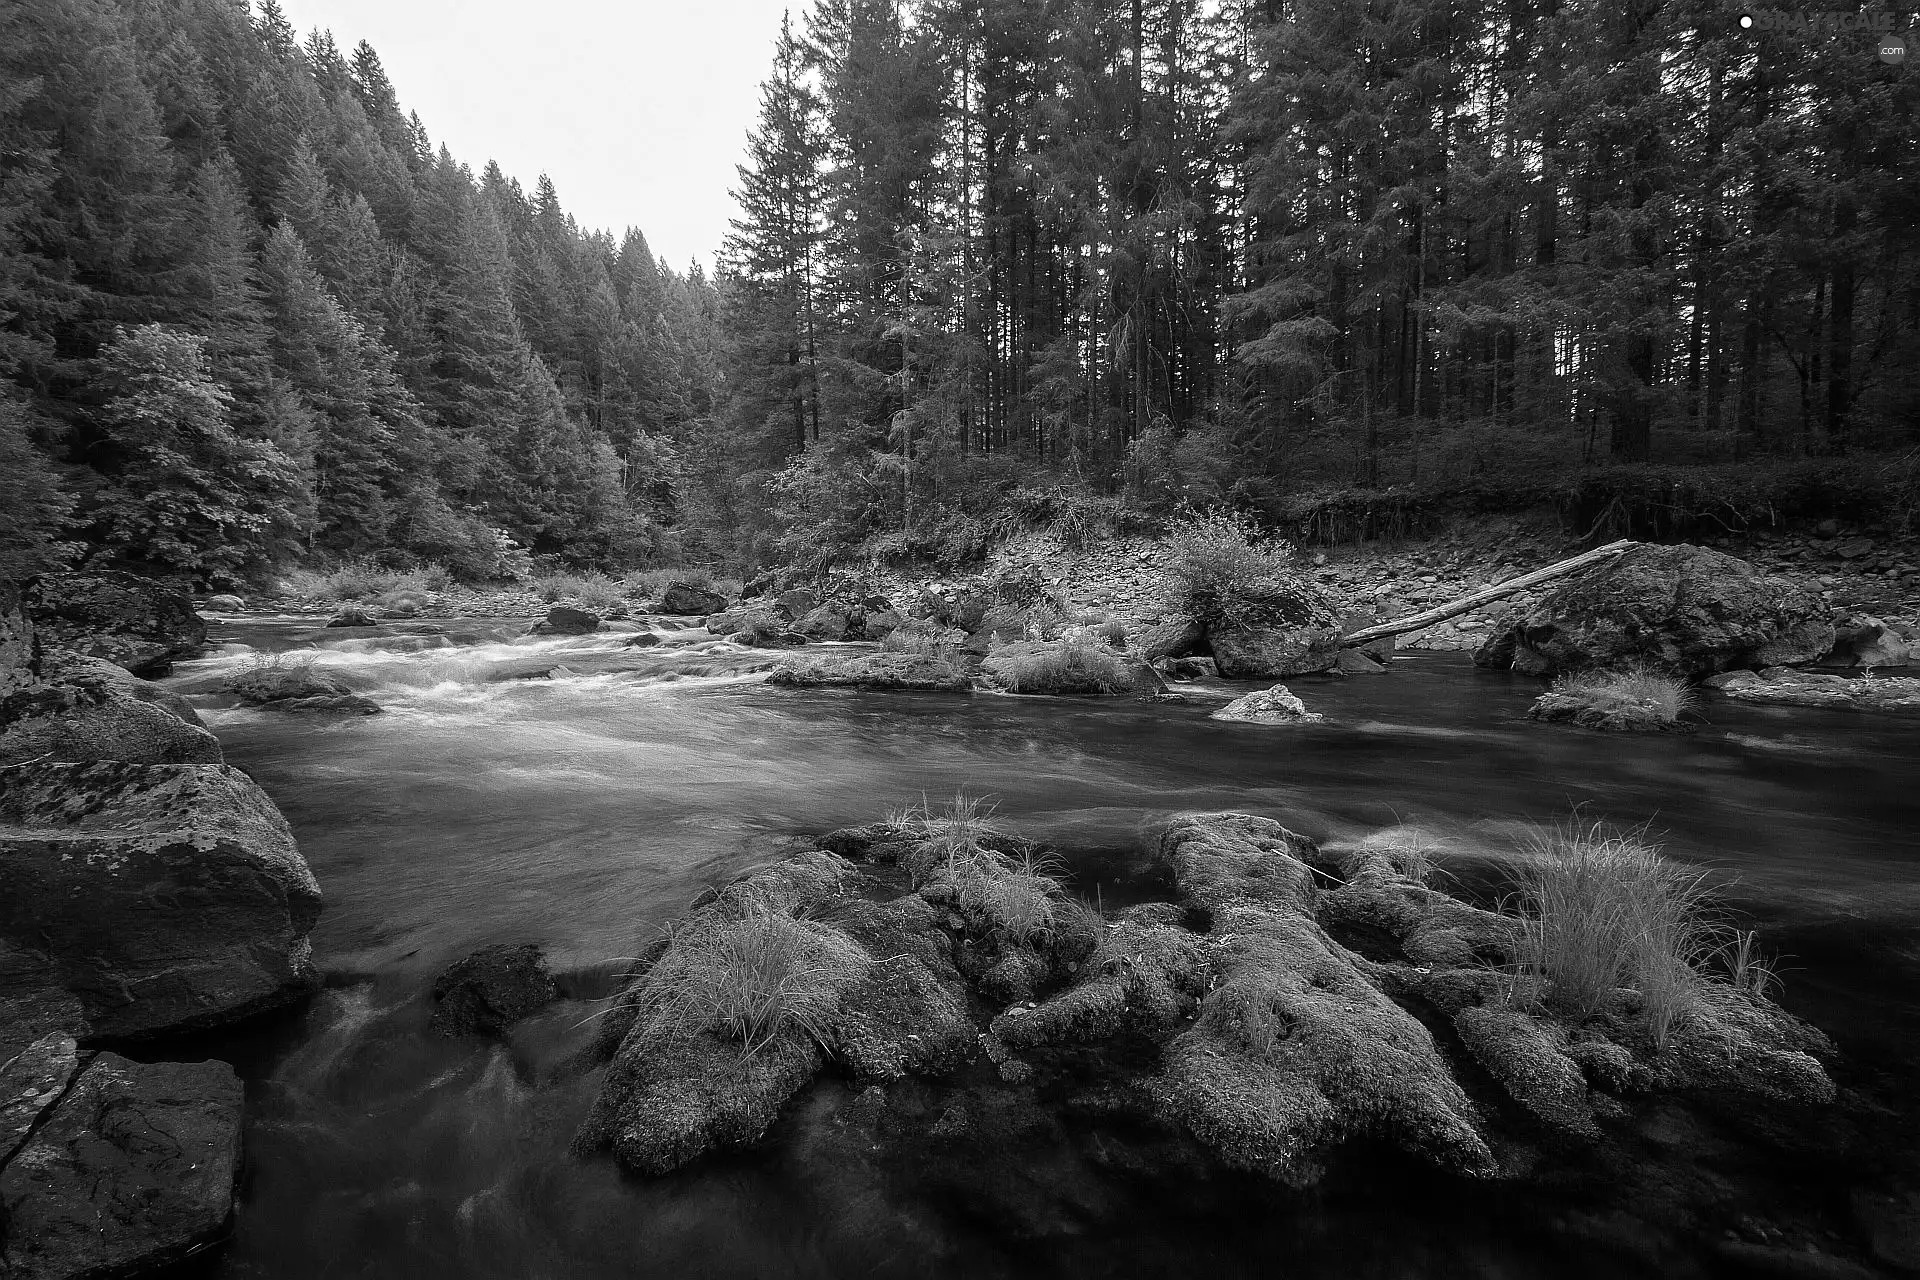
[1219,859]
[1145,975]
[1529,1059]
[901,1019]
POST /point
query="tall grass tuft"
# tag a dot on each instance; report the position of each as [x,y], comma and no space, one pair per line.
[922,637]
[1077,663]
[749,979]
[1635,698]
[1014,894]
[1604,912]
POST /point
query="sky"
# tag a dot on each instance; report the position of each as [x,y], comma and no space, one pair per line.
[637,109]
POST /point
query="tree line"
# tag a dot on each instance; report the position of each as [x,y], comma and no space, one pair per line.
[1176,250]
[996,261]
[249,313]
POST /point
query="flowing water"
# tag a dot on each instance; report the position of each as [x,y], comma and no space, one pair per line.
[576,793]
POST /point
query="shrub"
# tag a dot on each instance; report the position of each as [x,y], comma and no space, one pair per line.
[749,978]
[1077,664]
[1225,571]
[1107,628]
[1638,698]
[1603,911]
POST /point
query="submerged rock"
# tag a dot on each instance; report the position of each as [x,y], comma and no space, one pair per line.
[491,990]
[913,671]
[133,1169]
[163,897]
[1277,705]
[138,623]
[643,640]
[352,615]
[1687,609]
[226,603]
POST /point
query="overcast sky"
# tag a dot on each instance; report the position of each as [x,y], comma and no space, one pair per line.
[638,109]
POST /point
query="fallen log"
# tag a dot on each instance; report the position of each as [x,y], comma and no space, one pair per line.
[1487,595]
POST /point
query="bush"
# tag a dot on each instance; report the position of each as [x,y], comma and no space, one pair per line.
[1077,664]
[1225,571]
[1637,698]
[749,978]
[1603,911]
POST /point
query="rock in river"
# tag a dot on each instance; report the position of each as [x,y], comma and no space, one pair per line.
[491,990]
[75,709]
[563,620]
[1687,609]
[160,898]
[685,599]
[131,1170]
[1277,705]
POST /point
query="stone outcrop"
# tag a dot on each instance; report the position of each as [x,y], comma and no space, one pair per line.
[131,1169]
[156,898]
[139,623]
[1690,610]
[76,709]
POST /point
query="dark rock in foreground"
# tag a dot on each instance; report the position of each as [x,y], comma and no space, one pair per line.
[133,1169]
[491,990]
[76,709]
[136,622]
[1686,609]
[160,898]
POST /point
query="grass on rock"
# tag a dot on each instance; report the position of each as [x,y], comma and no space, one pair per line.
[1605,913]
[1637,698]
[749,978]
[923,638]
[1078,663]
[1015,895]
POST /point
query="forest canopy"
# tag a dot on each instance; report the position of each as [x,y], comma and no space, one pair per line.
[996,261]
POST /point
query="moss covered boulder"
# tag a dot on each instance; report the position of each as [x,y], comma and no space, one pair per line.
[139,623]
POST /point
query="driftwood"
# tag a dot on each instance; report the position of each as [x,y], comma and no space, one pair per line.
[1487,595]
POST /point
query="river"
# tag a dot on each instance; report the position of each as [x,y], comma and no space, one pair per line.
[584,807]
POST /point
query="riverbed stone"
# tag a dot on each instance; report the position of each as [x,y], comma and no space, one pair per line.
[492,989]
[140,623]
[1277,705]
[167,897]
[133,1169]
[1688,609]
[565,620]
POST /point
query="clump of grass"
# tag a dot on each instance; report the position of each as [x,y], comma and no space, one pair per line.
[921,637]
[1108,629]
[748,978]
[1014,895]
[271,677]
[402,600]
[1078,663]
[1604,912]
[593,591]
[1408,852]
[362,579]
[1225,571]
[1633,699]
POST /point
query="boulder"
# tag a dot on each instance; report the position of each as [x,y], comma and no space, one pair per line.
[878,624]
[824,623]
[133,1170]
[1688,609]
[351,615]
[160,898]
[139,623]
[491,990]
[87,709]
[643,640]
[226,603]
[563,620]
[1187,668]
[1786,687]
[1273,653]
[1866,641]
[686,600]
[1176,637]
[1268,706]
[797,603]
[1357,662]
